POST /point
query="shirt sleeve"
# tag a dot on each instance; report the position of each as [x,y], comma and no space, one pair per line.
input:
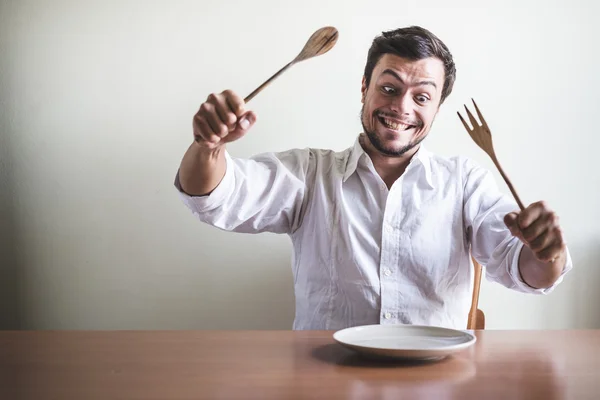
[262,194]
[492,244]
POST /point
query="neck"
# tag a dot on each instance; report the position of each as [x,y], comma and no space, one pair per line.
[389,168]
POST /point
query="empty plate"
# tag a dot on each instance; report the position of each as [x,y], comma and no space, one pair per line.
[414,342]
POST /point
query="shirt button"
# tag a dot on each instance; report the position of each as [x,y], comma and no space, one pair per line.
[387,315]
[387,272]
[383,187]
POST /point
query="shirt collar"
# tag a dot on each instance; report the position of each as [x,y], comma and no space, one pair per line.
[357,154]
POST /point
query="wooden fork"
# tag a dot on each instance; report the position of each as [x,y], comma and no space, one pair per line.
[483,137]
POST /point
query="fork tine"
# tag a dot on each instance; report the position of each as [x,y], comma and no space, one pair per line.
[479,114]
[464,122]
[472,118]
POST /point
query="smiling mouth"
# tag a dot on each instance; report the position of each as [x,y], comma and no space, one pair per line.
[394,125]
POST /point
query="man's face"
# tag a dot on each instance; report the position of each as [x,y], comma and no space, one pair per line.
[401,102]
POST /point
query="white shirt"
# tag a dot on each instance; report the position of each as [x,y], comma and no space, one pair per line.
[363,254]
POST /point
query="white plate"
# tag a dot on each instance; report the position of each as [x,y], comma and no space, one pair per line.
[414,342]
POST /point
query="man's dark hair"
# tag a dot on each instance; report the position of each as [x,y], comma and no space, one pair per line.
[413,43]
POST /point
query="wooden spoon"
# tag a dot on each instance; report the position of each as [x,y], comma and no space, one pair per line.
[319,43]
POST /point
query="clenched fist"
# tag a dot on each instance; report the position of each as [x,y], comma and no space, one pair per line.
[538,228]
[221,119]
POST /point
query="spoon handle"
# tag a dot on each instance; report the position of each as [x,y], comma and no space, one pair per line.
[266,83]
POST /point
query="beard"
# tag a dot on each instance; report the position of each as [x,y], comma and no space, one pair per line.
[381,147]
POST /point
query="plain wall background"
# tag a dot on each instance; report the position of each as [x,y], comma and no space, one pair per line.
[97,99]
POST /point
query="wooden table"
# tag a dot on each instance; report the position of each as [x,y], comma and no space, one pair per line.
[289,365]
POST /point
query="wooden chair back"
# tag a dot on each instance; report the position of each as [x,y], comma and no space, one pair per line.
[476,317]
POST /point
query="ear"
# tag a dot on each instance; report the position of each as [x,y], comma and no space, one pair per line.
[363,90]
[438,109]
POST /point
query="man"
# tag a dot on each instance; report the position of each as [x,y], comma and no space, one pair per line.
[383,231]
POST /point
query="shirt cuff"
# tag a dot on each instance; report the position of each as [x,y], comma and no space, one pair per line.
[215,198]
[522,285]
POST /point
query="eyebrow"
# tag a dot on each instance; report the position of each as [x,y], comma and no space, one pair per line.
[420,83]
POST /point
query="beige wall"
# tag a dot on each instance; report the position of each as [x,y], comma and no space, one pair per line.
[97,99]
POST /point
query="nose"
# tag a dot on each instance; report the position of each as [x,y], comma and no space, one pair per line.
[403,105]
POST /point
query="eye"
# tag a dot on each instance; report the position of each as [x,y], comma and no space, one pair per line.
[422,99]
[388,89]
